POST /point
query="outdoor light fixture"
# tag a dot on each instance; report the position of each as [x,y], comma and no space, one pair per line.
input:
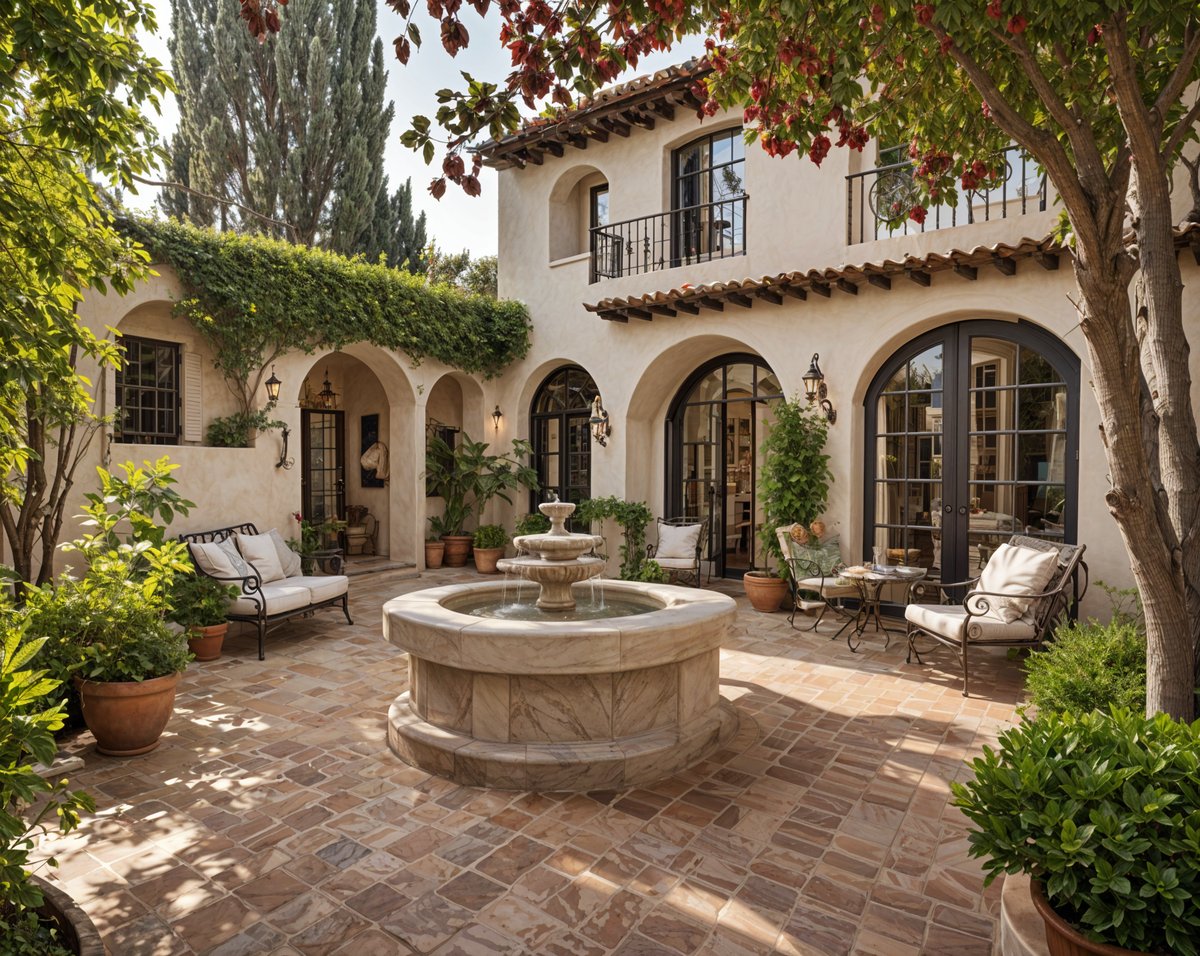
[814,388]
[273,387]
[327,397]
[284,462]
[496,416]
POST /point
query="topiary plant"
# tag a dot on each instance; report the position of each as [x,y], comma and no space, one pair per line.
[1104,810]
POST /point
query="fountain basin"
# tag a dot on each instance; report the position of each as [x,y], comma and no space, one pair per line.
[562,704]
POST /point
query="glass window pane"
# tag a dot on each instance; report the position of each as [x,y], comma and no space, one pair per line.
[925,370]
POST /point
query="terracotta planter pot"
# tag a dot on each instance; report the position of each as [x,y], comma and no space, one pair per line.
[78,932]
[458,548]
[128,717]
[434,552]
[205,642]
[486,558]
[1063,939]
[764,591]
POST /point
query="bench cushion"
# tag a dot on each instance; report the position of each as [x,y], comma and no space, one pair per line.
[322,587]
[259,550]
[289,560]
[280,596]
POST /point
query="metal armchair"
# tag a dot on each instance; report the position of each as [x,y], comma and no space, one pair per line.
[814,571]
[675,552]
[975,619]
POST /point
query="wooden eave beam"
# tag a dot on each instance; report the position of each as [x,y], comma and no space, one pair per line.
[533,155]
[662,310]
[710,303]
[966,271]
[577,140]
[1005,265]
[637,313]
[919,276]
[770,295]
[737,298]
[1049,260]
[879,281]
[795,292]
[614,125]
[554,147]
[688,307]
[847,286]
[613,315]
[820,288]
[663,109]
[598,134]
[638,118]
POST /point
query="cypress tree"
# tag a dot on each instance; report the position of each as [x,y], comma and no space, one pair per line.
[394,233]
[293,128]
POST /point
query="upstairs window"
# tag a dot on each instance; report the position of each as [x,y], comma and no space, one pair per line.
[708,197]
[148,392]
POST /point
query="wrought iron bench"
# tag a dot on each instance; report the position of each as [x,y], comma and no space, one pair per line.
[266,604]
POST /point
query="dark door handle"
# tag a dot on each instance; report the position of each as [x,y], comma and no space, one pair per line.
[962,510]
[949,509]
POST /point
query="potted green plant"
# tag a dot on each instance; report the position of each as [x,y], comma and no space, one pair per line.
[1102,811]
[490,540]
[435,551]
[466,478]
[36,917]
[198,605]
[793,487]
[108,627]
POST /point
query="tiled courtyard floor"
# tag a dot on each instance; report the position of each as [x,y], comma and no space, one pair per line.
[274,819]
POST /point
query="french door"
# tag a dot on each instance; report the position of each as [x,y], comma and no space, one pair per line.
[323,459]
[972,436]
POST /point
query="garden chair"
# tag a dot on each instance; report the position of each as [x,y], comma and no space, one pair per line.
[1015,602]
[814,571]
[680,547]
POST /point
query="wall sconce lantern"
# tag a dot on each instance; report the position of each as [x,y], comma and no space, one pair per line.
[327,397]
[273,385]
[496,416]
[814,388]
[284,461]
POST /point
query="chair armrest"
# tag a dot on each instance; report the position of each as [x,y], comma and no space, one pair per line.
[940,588]
[651,550]
[249,584]
[978,598]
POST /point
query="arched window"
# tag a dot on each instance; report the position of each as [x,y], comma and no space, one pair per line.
[972,434]
[715,429]
[562,446]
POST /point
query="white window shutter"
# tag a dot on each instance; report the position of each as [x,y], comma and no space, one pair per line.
[193,397]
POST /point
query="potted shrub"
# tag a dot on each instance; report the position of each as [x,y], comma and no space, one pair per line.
[435,550]
[490,541]
[109,626]
[36,917]
[793,487]
[1102,810]
[198,605]
[466,478]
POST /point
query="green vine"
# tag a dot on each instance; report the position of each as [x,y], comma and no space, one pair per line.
[632,516]
[254,298]
[234,431]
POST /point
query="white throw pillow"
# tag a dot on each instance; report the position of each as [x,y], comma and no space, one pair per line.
[259,550]
[677,541]
[289,560]
[1016,570]
[240,568]
[211,558]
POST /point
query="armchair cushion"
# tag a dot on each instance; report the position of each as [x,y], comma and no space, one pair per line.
[1016,570]
[675,564]
[289,560]
[677,541]
[827,587]
[260,551]
[949,620]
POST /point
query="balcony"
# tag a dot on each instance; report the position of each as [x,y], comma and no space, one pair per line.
[872,195]
[701,233]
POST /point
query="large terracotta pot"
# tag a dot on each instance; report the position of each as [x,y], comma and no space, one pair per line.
[76,929]
[1062,939]
[765,591]
[128,717]
[434,552]
[486,558]
[458,547]
[205,642]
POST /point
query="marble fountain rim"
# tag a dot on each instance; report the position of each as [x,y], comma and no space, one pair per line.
[690,622]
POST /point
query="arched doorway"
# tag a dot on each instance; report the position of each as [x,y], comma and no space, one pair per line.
[714,430]
[558,426]
[972,435]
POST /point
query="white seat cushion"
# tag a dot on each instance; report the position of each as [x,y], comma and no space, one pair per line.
[322,586]
[1016,570]
[279,596]
[677,541]
[212,559]
[676,564]
[259,550]
[827,586]
[950,619]
[289,560]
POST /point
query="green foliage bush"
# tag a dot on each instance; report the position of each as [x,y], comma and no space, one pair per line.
[253,298]
[1104,810]
[793,480]
[466,477]
[234,431]
[533,523]
[632,517]
[199,601]
[491,536]
[652,572]
[1090,665]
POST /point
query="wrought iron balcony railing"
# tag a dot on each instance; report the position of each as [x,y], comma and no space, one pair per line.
[877,195]
[714,230]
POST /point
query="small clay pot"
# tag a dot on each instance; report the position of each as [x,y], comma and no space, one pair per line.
[205,642]
[76,929]
[765,591]
[1063,939]
[458,549]
[434,552]
[128,717]
[486,558]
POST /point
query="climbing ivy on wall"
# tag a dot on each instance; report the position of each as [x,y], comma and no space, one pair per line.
[254,298]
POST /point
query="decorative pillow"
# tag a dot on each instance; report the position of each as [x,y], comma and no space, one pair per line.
[289,560]
[211,558]
[1016,570]
[677,541]
[259,550]
[823,559]
[240,568]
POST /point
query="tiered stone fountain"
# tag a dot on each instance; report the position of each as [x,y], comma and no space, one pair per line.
[570,693]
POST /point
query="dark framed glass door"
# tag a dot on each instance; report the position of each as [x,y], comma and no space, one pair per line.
[714,431]
[972,436]
[323,459]
[561,435]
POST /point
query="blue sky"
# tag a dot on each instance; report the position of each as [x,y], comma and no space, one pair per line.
[457,221]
